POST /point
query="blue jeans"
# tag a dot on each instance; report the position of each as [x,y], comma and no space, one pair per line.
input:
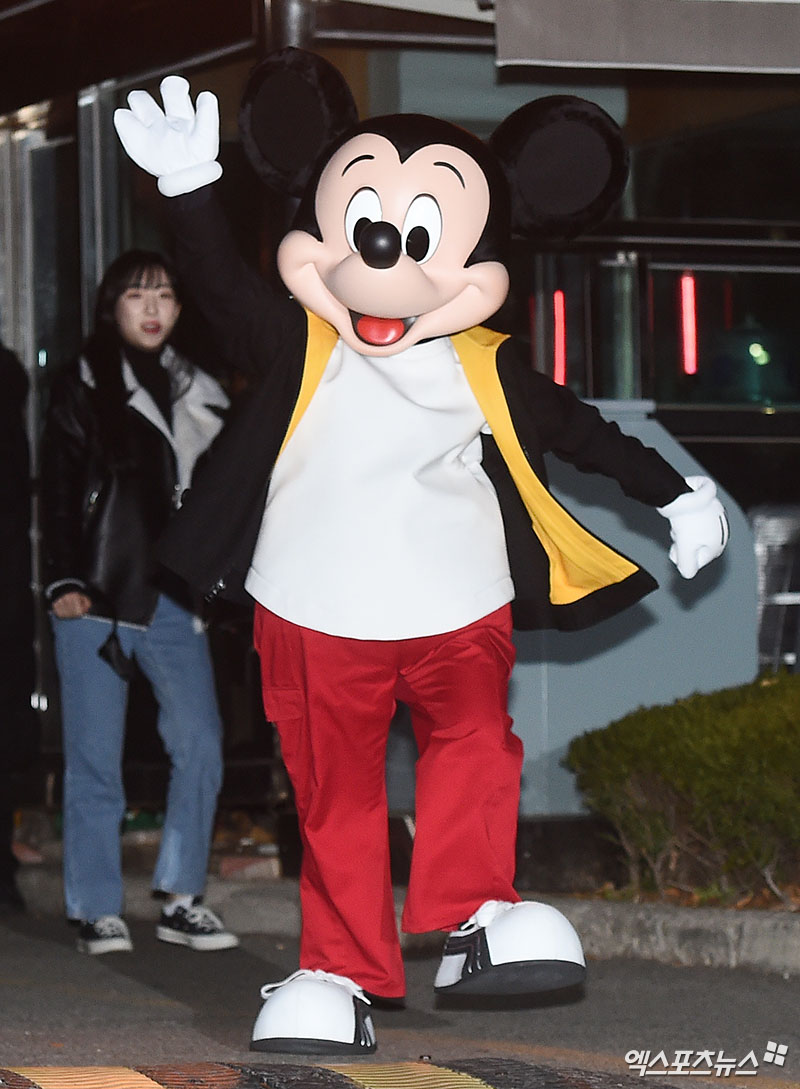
[174,656]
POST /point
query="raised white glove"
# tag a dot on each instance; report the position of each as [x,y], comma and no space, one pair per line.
[698,526]
[178,145]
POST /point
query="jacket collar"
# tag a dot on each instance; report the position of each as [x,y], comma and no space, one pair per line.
[204,397]
[197,415]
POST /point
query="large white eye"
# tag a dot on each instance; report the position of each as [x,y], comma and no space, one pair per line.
[422,228]
[364,208]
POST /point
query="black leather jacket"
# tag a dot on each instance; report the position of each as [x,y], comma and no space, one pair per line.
[108,492]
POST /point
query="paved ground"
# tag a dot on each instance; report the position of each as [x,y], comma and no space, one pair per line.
[165,1005]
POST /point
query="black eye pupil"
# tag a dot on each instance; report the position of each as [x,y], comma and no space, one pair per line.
[358,230]
[417,243]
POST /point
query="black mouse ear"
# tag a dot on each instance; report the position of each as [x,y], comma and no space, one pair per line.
[294,104]
[566,163]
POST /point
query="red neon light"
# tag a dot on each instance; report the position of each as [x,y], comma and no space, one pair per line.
[689,323]
[559,338]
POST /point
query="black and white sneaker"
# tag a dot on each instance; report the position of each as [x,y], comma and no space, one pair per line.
[314,1013]
[505,949]
[196,927]
[107,934]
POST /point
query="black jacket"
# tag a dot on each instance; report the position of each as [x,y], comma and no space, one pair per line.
[211,542]
[18,723]
[110,485]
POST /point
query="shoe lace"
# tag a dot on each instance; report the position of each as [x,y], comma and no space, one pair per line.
[203,918]
[485,914]
[110,926]
[317,973]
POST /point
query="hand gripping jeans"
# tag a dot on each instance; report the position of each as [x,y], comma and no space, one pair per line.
[175,658]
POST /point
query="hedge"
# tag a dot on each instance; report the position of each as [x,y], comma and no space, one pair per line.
[704,792]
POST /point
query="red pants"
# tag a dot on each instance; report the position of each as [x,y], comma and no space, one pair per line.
[332,700]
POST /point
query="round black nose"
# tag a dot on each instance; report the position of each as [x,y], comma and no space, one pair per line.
[379,245]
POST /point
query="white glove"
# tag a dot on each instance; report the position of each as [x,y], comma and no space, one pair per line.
[698,526]
[178,145]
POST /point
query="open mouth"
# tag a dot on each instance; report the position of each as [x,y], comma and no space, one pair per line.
[380,332]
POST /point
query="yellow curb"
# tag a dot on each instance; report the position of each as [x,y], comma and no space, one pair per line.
[85,1077]
[413,1075]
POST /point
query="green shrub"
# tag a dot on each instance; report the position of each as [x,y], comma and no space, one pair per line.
[702,792]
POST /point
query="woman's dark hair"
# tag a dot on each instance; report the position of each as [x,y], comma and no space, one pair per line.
[132,268]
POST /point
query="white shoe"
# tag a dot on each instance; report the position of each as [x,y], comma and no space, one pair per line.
[506,948]
[314,1013]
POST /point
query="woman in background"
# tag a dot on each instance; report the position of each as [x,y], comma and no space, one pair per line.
[126,425]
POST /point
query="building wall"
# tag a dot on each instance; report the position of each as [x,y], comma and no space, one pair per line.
[697,635]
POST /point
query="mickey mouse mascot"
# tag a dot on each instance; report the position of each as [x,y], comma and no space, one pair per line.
[384,499]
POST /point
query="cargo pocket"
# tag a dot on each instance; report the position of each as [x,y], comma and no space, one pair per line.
[284,705]
[286,710]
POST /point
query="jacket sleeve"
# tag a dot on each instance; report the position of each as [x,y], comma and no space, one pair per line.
[249,317]
[578,433]
[66,459]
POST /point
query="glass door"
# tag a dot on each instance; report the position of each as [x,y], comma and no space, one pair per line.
[40,307]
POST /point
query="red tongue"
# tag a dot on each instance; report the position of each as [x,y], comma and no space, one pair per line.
[380,330]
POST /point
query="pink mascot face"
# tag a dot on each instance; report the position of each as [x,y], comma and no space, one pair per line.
[391,266]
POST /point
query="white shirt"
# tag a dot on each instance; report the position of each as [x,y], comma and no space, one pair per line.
[380,522]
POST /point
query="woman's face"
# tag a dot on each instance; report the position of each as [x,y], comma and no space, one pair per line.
[147,310]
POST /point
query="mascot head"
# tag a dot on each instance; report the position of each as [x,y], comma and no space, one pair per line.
[403,223]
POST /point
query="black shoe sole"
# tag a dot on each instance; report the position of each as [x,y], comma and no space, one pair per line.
[518,977]
[299,1046]
[200,943]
